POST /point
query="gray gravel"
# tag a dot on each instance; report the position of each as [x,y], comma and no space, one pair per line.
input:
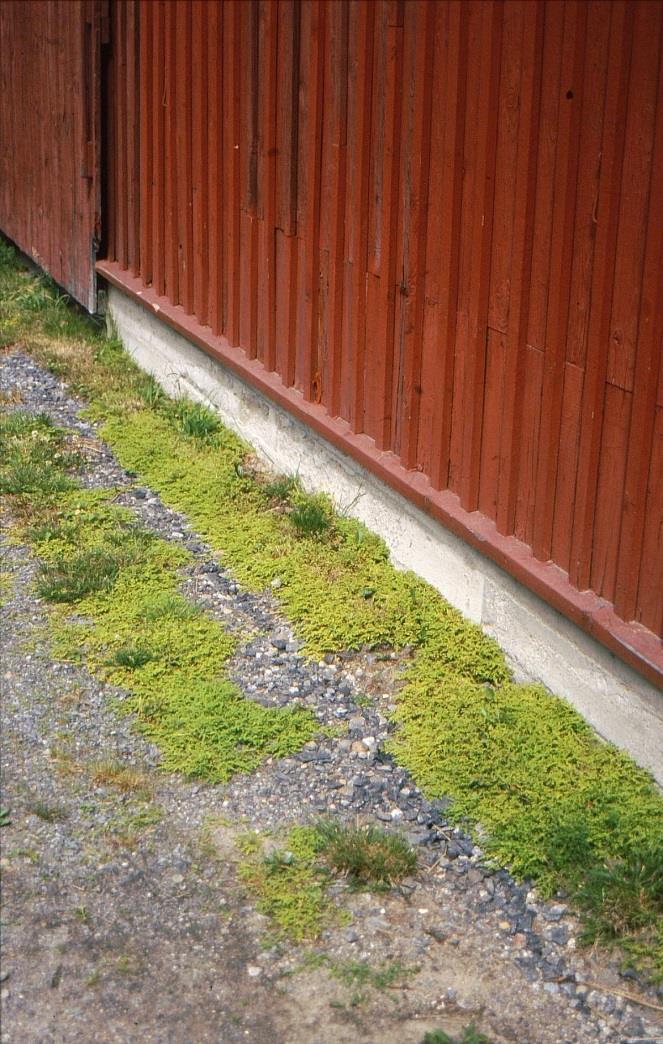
[121,929]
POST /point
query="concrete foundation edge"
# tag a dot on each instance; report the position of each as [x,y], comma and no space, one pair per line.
[539,642]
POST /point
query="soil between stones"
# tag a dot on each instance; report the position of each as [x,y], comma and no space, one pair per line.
[123,917]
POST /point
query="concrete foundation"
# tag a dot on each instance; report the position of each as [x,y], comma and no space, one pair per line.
[540,643]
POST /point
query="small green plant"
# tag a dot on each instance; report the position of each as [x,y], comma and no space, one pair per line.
[282,487]
[368,856]
[33,455]
[288,885]
[310,515]
[195,420]
[172,606]
[470,1035]
[152,393]
[5,817]
[127,964]
[71,579]
[623,899]
[126,778]
[361,973]
[131,656]
[44,810]
[82,914]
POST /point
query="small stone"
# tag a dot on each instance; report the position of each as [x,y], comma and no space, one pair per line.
[276,583]
[253,971]
[553,913]
[279,643]
[559,934]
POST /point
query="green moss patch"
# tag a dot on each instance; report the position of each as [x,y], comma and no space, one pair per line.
[289,884]
[336,583]
[116,607]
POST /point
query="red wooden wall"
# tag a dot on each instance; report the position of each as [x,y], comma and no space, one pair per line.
[435,232]
[50,136]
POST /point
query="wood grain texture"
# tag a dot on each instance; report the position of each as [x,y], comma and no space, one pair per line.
[437,223]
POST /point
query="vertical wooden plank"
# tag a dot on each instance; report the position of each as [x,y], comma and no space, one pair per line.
[566,170]
[286,115]
[484,185]
[521,266]
[442,324]
[649,609]
[131,183]
[111,153]
[361,67]
[383,261]
[515,69]
[171,240]
[419,30]
[648,358]
[599,322]
[468,217]
[532,408]
[231,171]
[249,148]
[308,219]
[490,443]
[594,93]
[336,93]
[154,65]
[610,490]
[145,16]
[287,136]
[213,28]
[183,73]
[121,198]
[567,463]
[552,97]
[631,235]
[269,86]
[199,132]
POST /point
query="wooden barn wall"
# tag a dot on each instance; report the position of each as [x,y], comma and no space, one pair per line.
[49,136]
[439,222]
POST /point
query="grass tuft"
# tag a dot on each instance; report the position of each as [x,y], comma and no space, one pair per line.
[86,573]
[131,656]
[33,457]
[195,420]
[282,488]
[46,811]
[311,515]
[367,856]
[623,898]
[126,778]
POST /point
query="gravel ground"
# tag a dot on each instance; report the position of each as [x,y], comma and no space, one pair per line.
[123,916]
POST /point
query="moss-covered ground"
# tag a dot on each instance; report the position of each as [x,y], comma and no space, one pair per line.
[556,804]
[113,589]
